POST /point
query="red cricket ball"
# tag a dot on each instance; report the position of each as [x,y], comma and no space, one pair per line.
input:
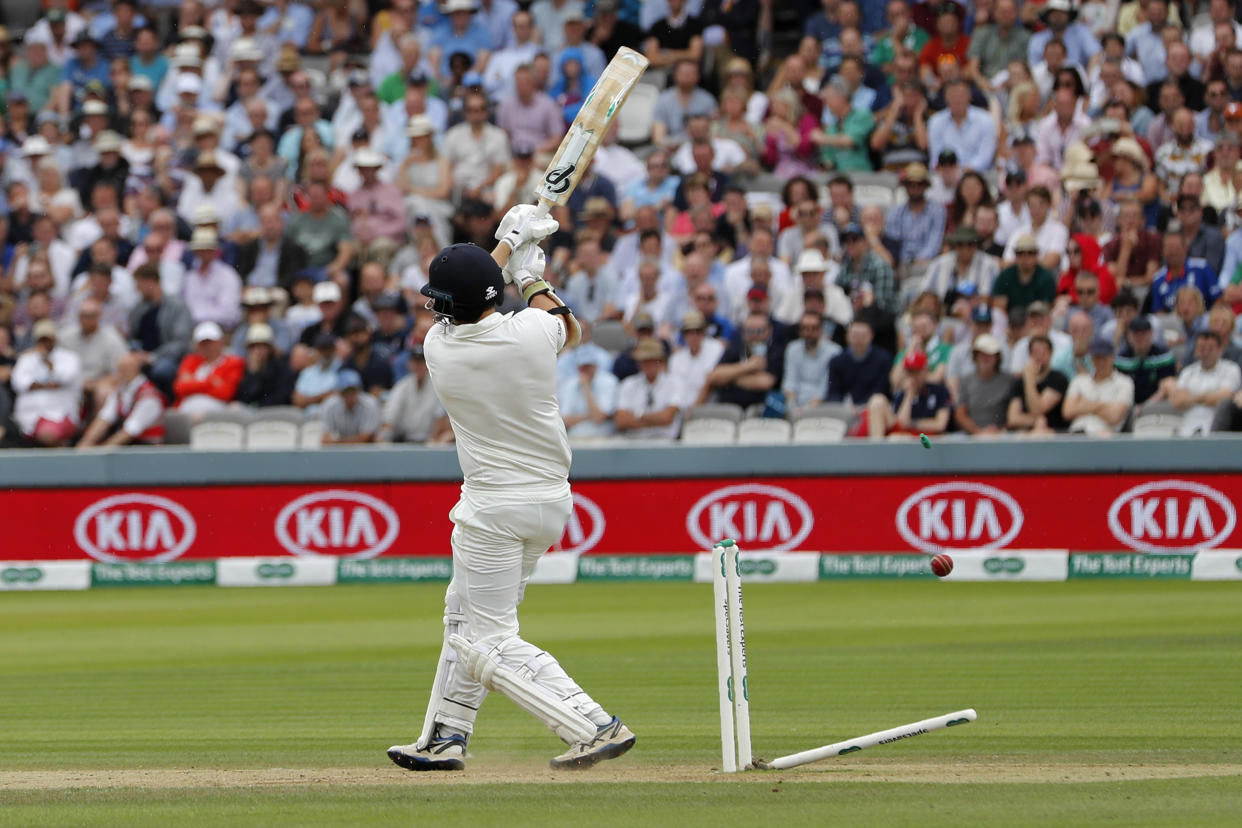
[941,565]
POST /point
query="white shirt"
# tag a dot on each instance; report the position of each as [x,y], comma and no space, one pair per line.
[1198,380]
[661,308]
[737,281]
[1008,222]
[51,403]
[640,397]
[1061,341]
[727,155]
[619,165]
[1052,237]
[689,371]
[143,414]
[1116,388]
[496,379]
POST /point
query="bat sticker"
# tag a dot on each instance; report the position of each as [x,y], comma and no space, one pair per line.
[557,180]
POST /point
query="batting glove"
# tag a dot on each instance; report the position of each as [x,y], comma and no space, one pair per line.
[521,225]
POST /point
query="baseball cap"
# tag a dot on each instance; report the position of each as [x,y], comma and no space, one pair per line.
[947,157]
[1026,244]
[390,300]
[1101,346]
[189,84]
[43,329]
[757,293]
[963,234]
[260,333]
[981,314]
[1038,309]
[206,331]
[326,292]
[323,341]
[256,295]
[245,49]
[348,379]
[643,321]
[914,361]
[1140,324]
[851,231]
[986,344]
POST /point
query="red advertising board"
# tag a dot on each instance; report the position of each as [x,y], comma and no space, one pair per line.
[825,514]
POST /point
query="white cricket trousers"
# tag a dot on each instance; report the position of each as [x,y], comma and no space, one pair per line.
[495,548]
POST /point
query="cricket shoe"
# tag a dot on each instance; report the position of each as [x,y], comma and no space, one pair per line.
[611,740]
[441,754]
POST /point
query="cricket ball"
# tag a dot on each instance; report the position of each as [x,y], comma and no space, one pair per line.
[941,565]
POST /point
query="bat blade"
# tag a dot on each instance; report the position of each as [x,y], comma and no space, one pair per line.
[599,109]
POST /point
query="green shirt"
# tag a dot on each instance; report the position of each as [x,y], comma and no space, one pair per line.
[36,83]
[995,51]
[884,54]
[392,88]
[319,237]
[857,125]
[1041,288]
[937,356]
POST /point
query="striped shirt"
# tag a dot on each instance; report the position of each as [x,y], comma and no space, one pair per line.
[942,275]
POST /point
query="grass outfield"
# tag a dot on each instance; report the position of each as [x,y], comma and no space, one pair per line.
[1098,702]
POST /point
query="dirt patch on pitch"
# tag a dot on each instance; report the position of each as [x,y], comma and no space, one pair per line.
[480,773]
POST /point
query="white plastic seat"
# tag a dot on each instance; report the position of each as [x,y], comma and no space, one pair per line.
[637,115]
[311,434]
[217,435]
[716,411]
[765,431]
[812,430]
[272,434]
[708,431]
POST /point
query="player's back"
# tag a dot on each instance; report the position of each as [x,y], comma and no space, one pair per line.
[497,382]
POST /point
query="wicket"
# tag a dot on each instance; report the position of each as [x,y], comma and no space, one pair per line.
[734,692]
[731,659]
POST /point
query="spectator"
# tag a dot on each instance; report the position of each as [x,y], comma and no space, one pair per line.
[961,362]
[477,152]
[374,370]
[964,264]
[643,328]
[1133,254]
[751,368]
[1098,403]
[1051,236]
[676,38]
[323,231]
[1145,361]
[208,377]
[588,399]
[1063,126]
[1035,406]
[983,399]
[900,135]
[412,412]
[1027,281]
[917,226]
[132,413]
[1223,320]
[1203,385]
[212,289]
[806,365]
[268,379]
[1186,153]
[861,264]
[609,31]
[967,130]
[160,327]
[948,40]
[257,305]
[591,288]
[318,381]
[1076,359]
[208,184]
[861,371]
[807,217]
[99,348]
[647,402]
[377,210]
[919,407]
[47,385]
[1203,241]
[789,138]
[350,416]
[1146,43]
[529,115]
[272,259]
[520,49]
[1087,267]
[706,301]
[925,337]
[1039,324]
[690,364]
[843,141]
[1180,271]
[997,43]
[1219,190]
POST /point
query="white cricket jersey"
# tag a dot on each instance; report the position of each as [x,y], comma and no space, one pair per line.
[496,379]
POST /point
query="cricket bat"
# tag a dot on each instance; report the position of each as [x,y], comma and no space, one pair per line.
[578,146]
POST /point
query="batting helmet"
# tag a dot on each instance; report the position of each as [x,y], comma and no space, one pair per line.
[463,282]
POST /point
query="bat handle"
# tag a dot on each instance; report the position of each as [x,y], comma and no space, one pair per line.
[542,207]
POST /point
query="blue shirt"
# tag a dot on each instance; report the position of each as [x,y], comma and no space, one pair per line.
[920,234]
[1147,46]
[1080,45]
[155,70]
[858,379]
[79,75]
[290,146]
[1233,258]
[1197,272]
[974,140]
[472,41]
[930,401]
[295,24]
[644,196]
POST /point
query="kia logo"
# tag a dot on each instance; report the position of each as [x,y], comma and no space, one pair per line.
[584,528]
[758,517]
[959,516]
[337,522]
[1171,516]
[134,527]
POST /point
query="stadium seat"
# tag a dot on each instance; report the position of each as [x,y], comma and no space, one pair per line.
[176,428]
[866,195]
[708,431]
[823,423]
[636,117]
[267,432]
[311,434]
[611,336]
[765,431]
[1156,420]
[217,435]
[715,411]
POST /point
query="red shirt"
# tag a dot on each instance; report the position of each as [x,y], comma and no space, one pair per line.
[220,383]
[934,48]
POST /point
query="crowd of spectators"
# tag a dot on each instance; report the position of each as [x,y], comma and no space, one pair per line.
[972,216]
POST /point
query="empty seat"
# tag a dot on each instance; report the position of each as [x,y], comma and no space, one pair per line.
[867,195]
[311,434]
[1157,419]
[217,435]
[708,431]
[176,428]
[273,434]
[763,432]
[819,430]
[716,411]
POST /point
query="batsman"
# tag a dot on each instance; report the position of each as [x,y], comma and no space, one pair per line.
[495,375]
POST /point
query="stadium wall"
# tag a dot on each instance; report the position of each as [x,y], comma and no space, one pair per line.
[1006,510]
